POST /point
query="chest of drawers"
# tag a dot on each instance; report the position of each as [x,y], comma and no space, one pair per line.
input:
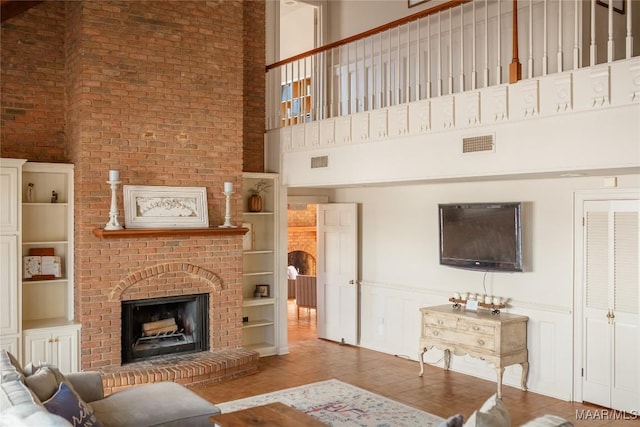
[500,339]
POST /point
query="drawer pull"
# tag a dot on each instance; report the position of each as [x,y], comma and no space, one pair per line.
[475,328]
[435,333]
[440,322]
[481,342]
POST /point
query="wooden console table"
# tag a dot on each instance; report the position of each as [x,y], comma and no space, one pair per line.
[500,339]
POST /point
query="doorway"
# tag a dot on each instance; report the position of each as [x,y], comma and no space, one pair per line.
[301,255]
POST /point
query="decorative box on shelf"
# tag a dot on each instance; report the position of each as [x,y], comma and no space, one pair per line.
[495,308]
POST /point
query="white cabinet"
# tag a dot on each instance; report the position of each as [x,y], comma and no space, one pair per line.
[261,266]
[54,345]
[10,260]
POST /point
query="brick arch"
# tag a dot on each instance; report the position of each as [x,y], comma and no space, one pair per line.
[158,270]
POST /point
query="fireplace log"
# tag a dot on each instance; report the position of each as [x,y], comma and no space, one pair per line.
[160,327]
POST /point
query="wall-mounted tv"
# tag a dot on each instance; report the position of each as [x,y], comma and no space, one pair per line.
[481,236]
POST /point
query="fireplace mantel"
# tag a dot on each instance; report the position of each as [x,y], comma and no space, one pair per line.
[167,232]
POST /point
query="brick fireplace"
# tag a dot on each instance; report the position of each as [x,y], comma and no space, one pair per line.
[166,92]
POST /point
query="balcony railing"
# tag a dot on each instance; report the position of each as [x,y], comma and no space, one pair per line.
[458,46]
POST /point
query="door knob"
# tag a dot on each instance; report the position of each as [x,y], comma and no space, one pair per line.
[352,282]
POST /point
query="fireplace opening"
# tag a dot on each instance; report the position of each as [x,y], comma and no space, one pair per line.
[160,326]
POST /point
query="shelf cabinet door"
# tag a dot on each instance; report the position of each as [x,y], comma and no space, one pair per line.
[54,346]
[11,344]
[38,347]
[9,198]
[9,318]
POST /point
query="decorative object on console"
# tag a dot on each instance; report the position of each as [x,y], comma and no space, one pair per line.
[114,180]
[228,191]
[495,308]
[165,207]
[255,199]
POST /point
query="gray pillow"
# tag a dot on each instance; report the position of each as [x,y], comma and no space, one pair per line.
[43,383]
[493,413]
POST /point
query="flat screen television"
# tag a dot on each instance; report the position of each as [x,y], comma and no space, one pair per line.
[481,236]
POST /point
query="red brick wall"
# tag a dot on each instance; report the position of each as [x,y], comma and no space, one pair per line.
[32,83]
[254,88]
[157,90]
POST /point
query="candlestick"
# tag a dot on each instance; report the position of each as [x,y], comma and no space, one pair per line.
[227,215]
[113,223]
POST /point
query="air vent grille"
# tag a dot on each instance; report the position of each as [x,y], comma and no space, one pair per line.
[476,144]
[319,162]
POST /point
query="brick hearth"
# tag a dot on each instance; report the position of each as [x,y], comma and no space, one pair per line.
[186,369]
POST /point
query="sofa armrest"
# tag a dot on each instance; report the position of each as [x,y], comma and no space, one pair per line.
[87,384]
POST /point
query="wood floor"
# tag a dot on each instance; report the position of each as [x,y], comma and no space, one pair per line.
[440,392]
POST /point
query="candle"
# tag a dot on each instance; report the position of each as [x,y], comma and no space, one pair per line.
[456,295]
[228,187]
[114,175]
[488,299]
[464,295]
[497,300]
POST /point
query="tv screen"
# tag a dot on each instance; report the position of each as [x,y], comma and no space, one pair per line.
[481,236]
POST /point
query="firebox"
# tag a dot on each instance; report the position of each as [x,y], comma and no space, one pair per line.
[161,326]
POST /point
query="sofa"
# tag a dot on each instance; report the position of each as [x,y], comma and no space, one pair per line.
[42,396]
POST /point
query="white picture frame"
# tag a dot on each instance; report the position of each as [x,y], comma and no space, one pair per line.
[155,206]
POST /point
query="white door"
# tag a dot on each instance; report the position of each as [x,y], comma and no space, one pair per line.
[338,293]
[612,303]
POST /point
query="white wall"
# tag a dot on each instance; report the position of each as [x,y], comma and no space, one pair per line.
[400,271]
[349,17]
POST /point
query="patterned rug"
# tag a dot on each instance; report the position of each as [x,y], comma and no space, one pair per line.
[341,405]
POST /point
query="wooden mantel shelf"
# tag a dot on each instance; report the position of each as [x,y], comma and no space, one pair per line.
[167,232]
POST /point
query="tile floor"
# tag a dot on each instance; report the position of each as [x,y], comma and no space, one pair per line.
[439,392]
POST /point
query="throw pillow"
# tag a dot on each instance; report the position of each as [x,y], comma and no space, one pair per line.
[43,383]
[493,413]
[69,406]
[454,421]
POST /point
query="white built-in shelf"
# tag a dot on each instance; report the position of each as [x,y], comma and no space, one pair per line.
[252,302]
[257,323]
[257,273]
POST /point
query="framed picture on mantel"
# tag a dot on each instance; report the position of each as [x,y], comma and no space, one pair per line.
[147,206]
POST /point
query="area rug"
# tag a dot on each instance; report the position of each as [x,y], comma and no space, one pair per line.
[340,404]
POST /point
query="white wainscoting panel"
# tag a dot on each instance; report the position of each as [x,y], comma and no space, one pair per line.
[390,323]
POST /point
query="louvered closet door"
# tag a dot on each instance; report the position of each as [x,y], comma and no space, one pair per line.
[612,303]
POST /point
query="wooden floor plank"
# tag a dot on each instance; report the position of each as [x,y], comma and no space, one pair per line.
[440,392]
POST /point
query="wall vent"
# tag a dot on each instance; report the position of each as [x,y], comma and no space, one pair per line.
[319,162]
[476,144]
